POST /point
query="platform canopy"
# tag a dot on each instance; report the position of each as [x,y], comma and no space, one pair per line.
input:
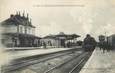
[72,36]
[62,35]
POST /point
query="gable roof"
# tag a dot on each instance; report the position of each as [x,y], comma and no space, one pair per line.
[17,20]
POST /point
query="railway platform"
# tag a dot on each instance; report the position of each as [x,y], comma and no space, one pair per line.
[31,52]
[100,62]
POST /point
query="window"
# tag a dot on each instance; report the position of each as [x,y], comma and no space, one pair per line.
[21,30]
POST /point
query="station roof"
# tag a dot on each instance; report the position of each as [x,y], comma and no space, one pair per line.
[17,20]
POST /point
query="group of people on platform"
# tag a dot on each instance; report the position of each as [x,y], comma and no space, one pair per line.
[104,45]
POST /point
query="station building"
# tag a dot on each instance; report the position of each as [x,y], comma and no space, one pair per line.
[60,40]
[50,41]
[18,31]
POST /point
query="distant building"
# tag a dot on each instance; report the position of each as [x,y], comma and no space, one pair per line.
[111,40]
[101,38]
[18,31]
[59,40]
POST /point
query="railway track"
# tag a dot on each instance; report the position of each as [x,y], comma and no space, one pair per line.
[21,63]
[78,66]
[81,59]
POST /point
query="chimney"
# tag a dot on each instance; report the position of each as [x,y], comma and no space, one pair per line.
[27,15]
[23,14]
[19,13]
[16,12]
[11,16]
[30,20]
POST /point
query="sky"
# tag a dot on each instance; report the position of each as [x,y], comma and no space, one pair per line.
[93,17]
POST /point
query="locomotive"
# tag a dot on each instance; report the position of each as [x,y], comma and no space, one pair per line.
[89,43]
